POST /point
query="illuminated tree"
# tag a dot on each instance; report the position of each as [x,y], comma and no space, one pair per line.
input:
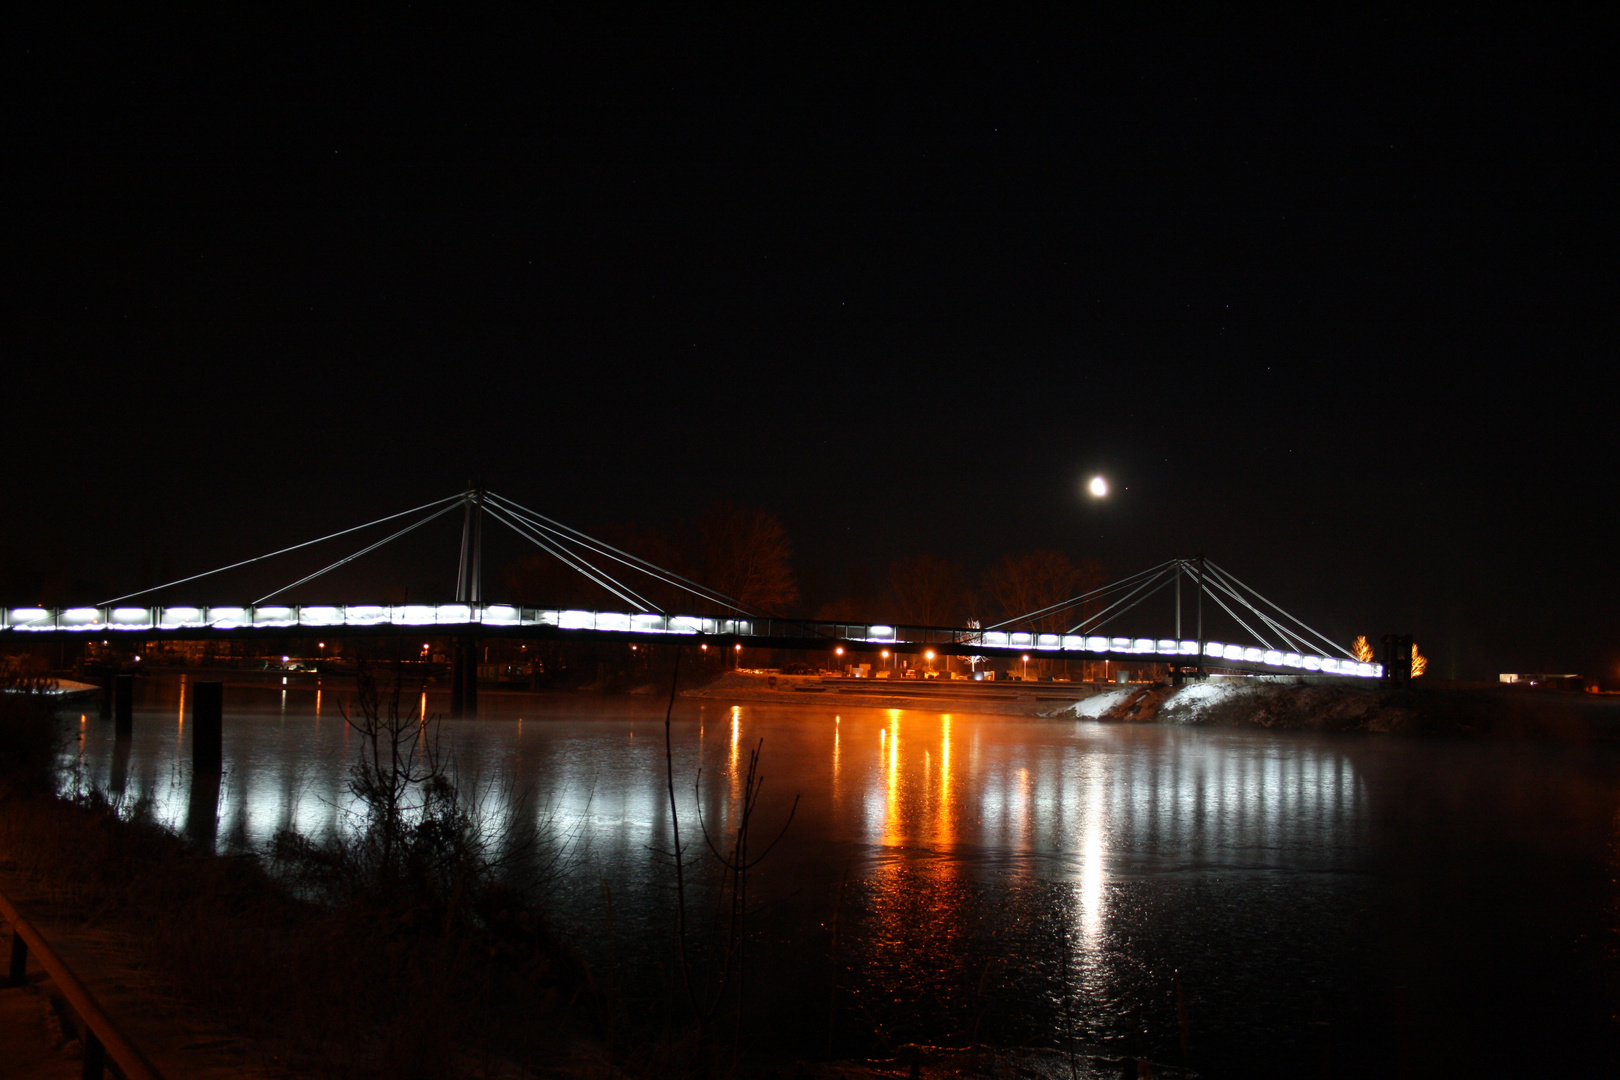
[1420,663]
[1362,650]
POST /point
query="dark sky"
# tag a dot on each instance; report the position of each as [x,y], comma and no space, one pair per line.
[1330,302]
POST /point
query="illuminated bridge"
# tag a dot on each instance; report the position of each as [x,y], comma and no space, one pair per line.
[1280,643]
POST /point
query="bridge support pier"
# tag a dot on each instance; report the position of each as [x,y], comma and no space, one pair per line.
[464,678]
[123,705]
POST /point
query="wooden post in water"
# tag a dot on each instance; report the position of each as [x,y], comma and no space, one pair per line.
[123,705]
[464,678]
[208,727]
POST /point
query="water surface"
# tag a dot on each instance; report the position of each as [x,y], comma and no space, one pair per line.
[1386,905]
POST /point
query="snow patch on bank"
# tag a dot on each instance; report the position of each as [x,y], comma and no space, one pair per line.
[1093,708]
[1189,704]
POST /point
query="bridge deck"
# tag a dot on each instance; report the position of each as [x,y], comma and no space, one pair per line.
[504,620]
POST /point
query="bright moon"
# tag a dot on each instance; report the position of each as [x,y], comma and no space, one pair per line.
[1098,486]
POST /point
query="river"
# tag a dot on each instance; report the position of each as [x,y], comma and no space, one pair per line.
[1249,903]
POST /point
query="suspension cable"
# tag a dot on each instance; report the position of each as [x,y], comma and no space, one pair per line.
[622,591]
[260,558]
[601,547]
[1155,591]
[1329,642]
[363,551]
[1074,601]
[635,562]
[1101,616]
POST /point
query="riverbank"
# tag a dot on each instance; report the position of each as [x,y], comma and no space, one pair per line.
[1508,712]
[1483,711]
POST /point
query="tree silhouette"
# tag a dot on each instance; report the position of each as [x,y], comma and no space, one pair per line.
[928,591]
[1024,583]
[744,552]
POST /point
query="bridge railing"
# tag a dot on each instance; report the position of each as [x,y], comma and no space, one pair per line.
[463,617]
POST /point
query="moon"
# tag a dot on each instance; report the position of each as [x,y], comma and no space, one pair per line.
[1098,486]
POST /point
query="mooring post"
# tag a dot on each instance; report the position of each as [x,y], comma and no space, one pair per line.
[208,727]
[469,676]
[464,678]
[124,704]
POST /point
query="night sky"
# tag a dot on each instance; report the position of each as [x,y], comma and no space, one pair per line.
[1329,302]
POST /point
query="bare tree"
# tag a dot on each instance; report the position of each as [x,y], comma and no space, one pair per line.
[745,553]
[928,591]
[1020,584]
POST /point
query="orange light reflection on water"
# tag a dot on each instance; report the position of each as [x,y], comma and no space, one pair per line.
[917,905]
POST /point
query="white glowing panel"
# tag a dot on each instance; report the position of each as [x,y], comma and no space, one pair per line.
[685,624]
[413,615]
[84,618]
[1366,670]
[176,617]
[1073,641]
[227,616]
[320,616]
[880,633]
[502,615]
[1293,659]
[1119,644]
[453,614]
[28,616]
[995,637]
[274,616]
[650,624]
[365,614]
[548,618]
[1253,655]
[1232,652]
[1097,643]
[1169,647]
[1143,644]
[577,620]
[612,620]
[1021,639]
[1378,670]
[1189,648]
[1274,657]
[130,618]
[1215,649]
[1313,663]
[1330,664]
[1047,641]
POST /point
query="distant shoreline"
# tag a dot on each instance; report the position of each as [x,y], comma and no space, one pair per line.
[1482,710]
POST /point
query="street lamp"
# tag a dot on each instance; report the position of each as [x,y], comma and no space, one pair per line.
[1026,668]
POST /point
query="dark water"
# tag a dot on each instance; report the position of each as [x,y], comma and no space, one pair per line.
[1311,905]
